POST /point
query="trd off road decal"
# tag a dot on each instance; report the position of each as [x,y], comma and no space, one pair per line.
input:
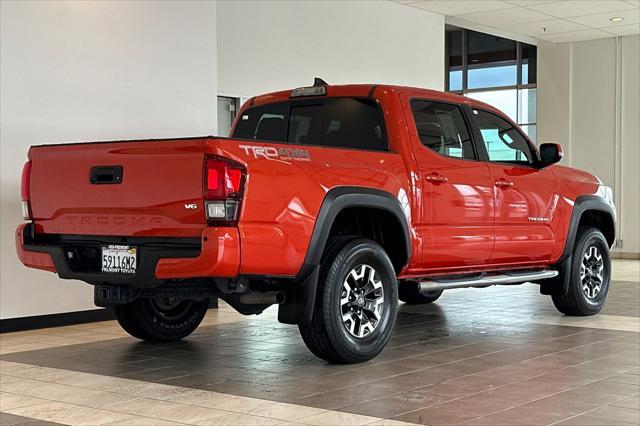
[273,153]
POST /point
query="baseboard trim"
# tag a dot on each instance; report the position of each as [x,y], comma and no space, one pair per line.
[10,325]
[55,320]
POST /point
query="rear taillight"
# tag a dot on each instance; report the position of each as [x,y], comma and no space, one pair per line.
[25,191]
[223,189]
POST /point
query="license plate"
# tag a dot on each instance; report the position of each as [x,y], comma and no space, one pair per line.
[119,259]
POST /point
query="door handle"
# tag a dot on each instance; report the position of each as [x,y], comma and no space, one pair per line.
[502,183]
[436,178]
[106,175]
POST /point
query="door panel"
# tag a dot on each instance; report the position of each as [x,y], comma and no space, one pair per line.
[456,220]
[525,214]
[526,198]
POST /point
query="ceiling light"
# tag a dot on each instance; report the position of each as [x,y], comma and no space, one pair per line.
[616,19]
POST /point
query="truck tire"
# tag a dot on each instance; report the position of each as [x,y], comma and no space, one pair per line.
[161,320]
[356,303]
[590,275]
[408,292]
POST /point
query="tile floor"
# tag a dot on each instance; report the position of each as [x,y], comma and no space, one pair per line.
[495,356]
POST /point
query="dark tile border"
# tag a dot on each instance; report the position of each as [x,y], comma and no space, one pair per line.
[58,320]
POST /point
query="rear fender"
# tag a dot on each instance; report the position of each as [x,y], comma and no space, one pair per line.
[301,296]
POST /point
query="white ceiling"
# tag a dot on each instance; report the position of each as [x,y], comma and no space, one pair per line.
[553,21]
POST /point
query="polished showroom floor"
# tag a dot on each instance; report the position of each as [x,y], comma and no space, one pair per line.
[495,356]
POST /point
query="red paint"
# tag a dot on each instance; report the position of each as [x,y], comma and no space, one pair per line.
[220,257]
[32,259]
[465,215]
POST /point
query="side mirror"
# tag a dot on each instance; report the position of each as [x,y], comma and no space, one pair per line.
[550,153]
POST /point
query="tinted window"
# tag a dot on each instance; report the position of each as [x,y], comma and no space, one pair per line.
[353,123]
[304,124]
[502,140]
[266,122]
[334,122]
[442,129]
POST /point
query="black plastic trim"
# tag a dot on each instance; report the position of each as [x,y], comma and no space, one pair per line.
[301,296]
[150,250]
[106,175]
[582,204]
[335,201]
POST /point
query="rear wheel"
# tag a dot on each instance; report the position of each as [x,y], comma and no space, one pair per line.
[161,319]
[590,276]
[356,303]
[409,292]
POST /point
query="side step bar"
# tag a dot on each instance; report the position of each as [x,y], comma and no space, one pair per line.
[485,280]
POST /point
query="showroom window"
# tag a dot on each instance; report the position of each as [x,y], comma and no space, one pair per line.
[495,70]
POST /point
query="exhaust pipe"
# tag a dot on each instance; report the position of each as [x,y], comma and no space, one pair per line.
[268,298]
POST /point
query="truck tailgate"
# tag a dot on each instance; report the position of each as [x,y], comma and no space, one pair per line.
[130,188]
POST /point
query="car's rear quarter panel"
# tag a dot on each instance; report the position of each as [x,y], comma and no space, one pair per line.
[283,197]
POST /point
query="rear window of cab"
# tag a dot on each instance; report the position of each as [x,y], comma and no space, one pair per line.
[355,123]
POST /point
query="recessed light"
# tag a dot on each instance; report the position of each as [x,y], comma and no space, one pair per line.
[616,19]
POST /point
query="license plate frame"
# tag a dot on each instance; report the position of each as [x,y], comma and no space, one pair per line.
[119,259]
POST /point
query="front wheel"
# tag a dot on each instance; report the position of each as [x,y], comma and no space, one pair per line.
[590,276]
[161,319]
[356,303]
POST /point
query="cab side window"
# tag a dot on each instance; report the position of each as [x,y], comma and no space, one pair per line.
[503,142]
[442,129]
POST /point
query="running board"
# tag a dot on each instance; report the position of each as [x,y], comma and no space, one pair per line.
[485,280]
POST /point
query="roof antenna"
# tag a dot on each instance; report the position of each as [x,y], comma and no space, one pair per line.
[319,82]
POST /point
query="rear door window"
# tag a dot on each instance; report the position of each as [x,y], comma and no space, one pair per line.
[441,128]
[334,122]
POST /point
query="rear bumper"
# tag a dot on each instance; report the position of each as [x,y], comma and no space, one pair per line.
[216,254]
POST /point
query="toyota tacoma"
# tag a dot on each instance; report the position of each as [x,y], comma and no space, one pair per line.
[333,202]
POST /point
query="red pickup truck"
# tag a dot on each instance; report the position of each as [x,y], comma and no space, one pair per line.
[332,202]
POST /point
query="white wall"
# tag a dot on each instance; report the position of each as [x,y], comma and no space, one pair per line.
[588,97]
[77,71]
[274,45]
[630,143]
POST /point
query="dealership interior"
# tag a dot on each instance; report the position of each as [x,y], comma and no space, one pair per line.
[564,71]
